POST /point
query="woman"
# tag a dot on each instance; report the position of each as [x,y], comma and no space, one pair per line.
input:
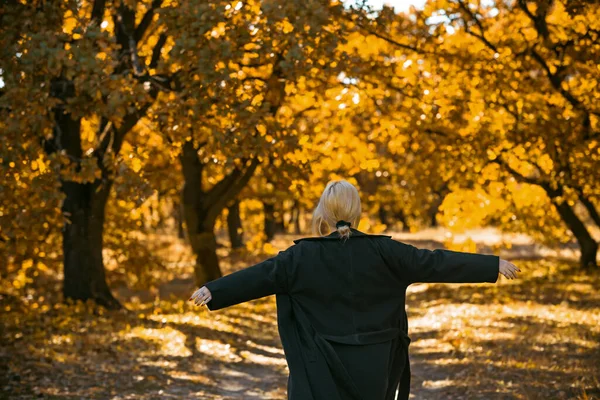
[340,301]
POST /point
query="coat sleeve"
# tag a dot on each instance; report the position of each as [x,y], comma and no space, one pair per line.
[444,266]
[263,279]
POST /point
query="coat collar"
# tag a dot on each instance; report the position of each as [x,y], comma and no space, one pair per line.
[335,235]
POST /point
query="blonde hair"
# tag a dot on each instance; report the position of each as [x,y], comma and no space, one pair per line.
[339,202]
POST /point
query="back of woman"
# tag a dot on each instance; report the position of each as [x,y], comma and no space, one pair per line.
[354,301]
[346,286]
[341,301]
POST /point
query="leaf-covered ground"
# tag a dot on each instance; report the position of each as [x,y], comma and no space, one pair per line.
[534,338]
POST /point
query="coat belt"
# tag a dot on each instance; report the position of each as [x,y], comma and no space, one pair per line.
[363,338]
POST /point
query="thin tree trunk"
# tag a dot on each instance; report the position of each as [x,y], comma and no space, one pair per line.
[297,227]
[280,226]
[433,211]
[270,223]
[400,216]
[383,215]
[295,217]
[234,225]
[587,244]
[435,207]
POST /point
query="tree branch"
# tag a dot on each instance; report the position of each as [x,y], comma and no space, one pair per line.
[539,20]
[481,35]
[392,41]
[229,189]
[303,111]
[220,188]
[555,79]
[124,20]
[518,175]
[254,78]
[146,20]
[98,11]
[157,50]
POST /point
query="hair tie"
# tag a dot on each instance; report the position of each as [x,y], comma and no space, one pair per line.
[341,223]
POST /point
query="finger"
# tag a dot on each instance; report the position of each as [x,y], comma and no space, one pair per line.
[510,273]
[202,300]
[197,298]
[196,294]
[199,293]
[206,301]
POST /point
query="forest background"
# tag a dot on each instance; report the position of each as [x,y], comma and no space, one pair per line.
[151,146]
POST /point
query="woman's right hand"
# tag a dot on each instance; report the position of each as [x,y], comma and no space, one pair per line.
[201,296]
[508,269]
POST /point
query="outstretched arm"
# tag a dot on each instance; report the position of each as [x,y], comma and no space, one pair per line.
[446,266]
[263,279]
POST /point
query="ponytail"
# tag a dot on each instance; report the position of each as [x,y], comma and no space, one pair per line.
[344,231]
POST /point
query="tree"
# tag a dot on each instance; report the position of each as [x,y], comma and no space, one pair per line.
[508,85]
[266,52]
[82,64]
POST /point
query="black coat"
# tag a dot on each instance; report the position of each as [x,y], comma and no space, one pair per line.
[341,312]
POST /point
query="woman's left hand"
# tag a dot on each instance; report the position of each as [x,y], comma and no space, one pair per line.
[508,269]
[201,296]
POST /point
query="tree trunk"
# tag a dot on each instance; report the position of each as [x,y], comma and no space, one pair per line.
[400,216]
[591,209]
[200,230]
[437,202]
[587,244]
[383,215]
[201,235]
[84,206]
[295,217]
[178,217]
[270,223]
[84,276]
[280,226]
[234,225]
[204,245]
[201,209]
[297,227]
[433,211]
